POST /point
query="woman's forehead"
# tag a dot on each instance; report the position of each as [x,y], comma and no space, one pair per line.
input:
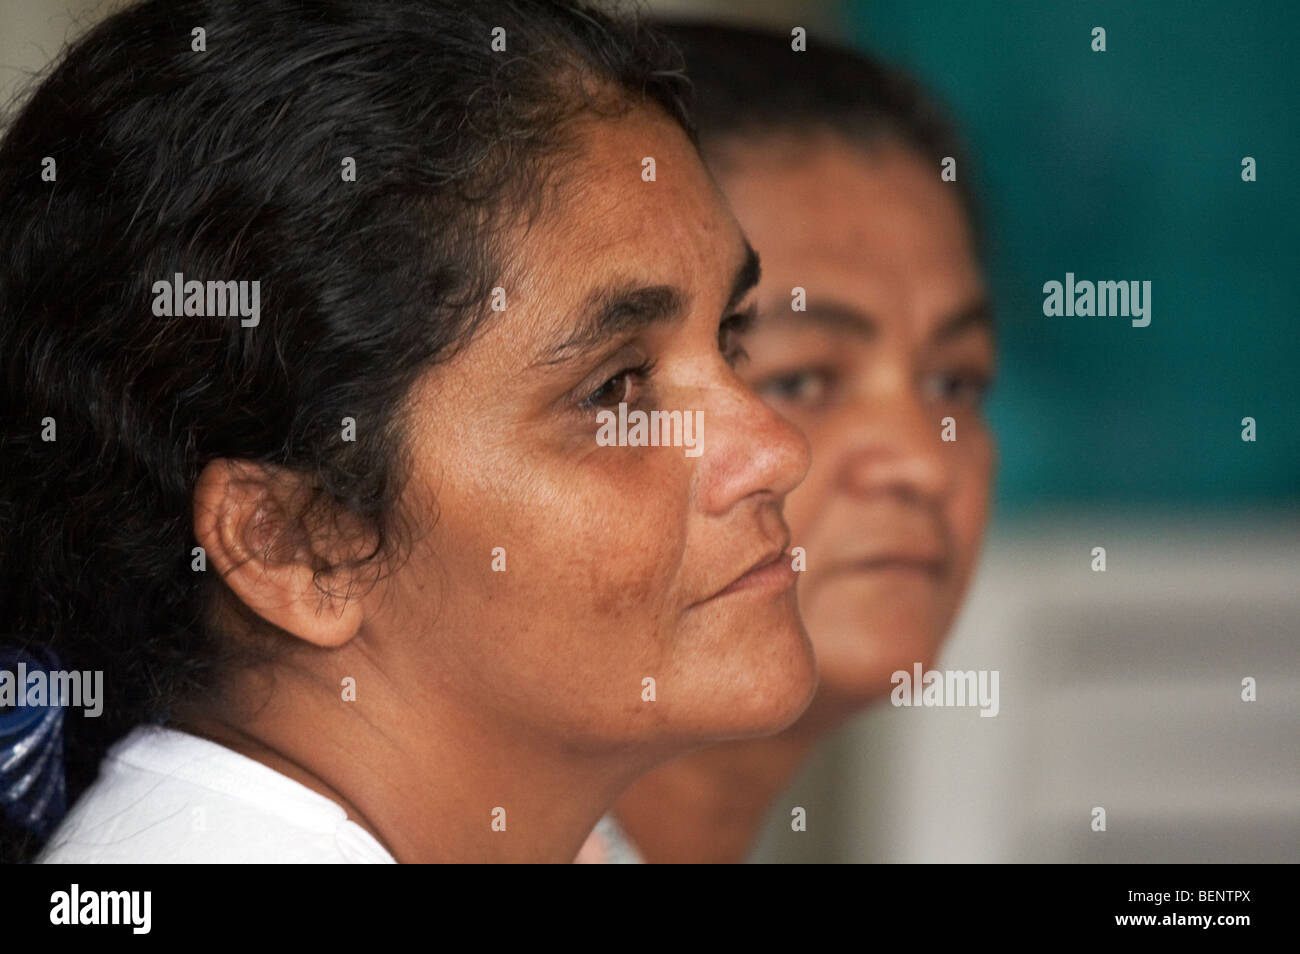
[636,205]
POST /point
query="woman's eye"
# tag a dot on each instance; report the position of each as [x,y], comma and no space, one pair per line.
[612,392]
[805,386]
[620,389]
[962,387]
[730,332]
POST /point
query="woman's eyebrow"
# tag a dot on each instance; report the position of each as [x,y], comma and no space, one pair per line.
[617,309]
[837,316]
[976,317]
[746,277]
[614,310]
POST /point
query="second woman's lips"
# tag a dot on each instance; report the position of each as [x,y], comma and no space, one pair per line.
[931,562]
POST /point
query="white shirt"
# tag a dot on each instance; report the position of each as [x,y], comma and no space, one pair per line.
[608,844]
[168,796]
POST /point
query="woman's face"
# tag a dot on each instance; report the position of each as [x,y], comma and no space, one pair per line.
[556,575]
[896,338]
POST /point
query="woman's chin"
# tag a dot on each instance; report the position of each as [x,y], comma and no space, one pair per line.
[771,690]
[857,666]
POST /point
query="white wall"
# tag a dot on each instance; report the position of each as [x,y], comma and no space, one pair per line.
[1119,689]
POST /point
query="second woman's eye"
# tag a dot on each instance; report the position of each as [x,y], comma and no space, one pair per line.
[958,387]
[805,386]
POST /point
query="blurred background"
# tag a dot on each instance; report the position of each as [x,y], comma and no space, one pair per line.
[1119,689]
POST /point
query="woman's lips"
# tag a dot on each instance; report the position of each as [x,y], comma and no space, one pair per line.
[771,573]
[930,565]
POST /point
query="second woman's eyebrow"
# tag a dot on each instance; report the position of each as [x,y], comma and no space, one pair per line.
[849,318]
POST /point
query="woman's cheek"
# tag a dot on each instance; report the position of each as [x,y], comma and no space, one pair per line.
[971,502]
[625,533]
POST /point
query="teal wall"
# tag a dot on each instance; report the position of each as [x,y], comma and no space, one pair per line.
[1127,165]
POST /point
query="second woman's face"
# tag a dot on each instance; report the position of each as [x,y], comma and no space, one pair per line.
[592,593]
[883,365]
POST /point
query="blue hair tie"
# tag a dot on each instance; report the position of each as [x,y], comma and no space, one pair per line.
[32,787]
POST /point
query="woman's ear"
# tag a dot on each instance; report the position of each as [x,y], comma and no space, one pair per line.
[249,519]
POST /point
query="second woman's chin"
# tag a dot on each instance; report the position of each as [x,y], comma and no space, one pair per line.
[860,646]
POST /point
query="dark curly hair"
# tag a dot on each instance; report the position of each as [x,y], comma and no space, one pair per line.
[226,164]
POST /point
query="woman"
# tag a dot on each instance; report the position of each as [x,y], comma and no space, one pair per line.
[363,582]
[833,165]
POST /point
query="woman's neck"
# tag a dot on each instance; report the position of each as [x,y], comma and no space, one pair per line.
[708,806]
[458,790]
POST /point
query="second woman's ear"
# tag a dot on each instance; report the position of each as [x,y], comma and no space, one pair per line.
[249,518]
